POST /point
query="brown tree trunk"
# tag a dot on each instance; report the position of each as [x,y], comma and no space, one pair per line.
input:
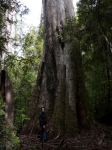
[60,85]
[6,93]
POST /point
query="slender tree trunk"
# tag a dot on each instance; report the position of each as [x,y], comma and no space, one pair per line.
[60,84]
[6,93]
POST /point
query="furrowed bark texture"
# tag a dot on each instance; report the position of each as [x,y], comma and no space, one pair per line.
[60,85]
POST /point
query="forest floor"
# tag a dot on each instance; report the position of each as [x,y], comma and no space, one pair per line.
[98,138]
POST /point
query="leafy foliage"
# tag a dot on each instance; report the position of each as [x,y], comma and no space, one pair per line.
[95,21]
[23,73]
[8,138]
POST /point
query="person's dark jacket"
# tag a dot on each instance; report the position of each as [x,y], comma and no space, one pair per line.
[42,119]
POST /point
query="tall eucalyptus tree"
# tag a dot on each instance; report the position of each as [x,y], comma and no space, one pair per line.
[60,85]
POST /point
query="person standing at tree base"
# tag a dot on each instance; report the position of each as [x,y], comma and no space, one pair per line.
[43,122]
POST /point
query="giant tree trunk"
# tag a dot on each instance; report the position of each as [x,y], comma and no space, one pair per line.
[60,85]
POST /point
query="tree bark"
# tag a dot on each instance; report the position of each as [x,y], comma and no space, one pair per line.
[60,84]
[6,93]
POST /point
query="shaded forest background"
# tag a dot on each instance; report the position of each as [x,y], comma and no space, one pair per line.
[90,34]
